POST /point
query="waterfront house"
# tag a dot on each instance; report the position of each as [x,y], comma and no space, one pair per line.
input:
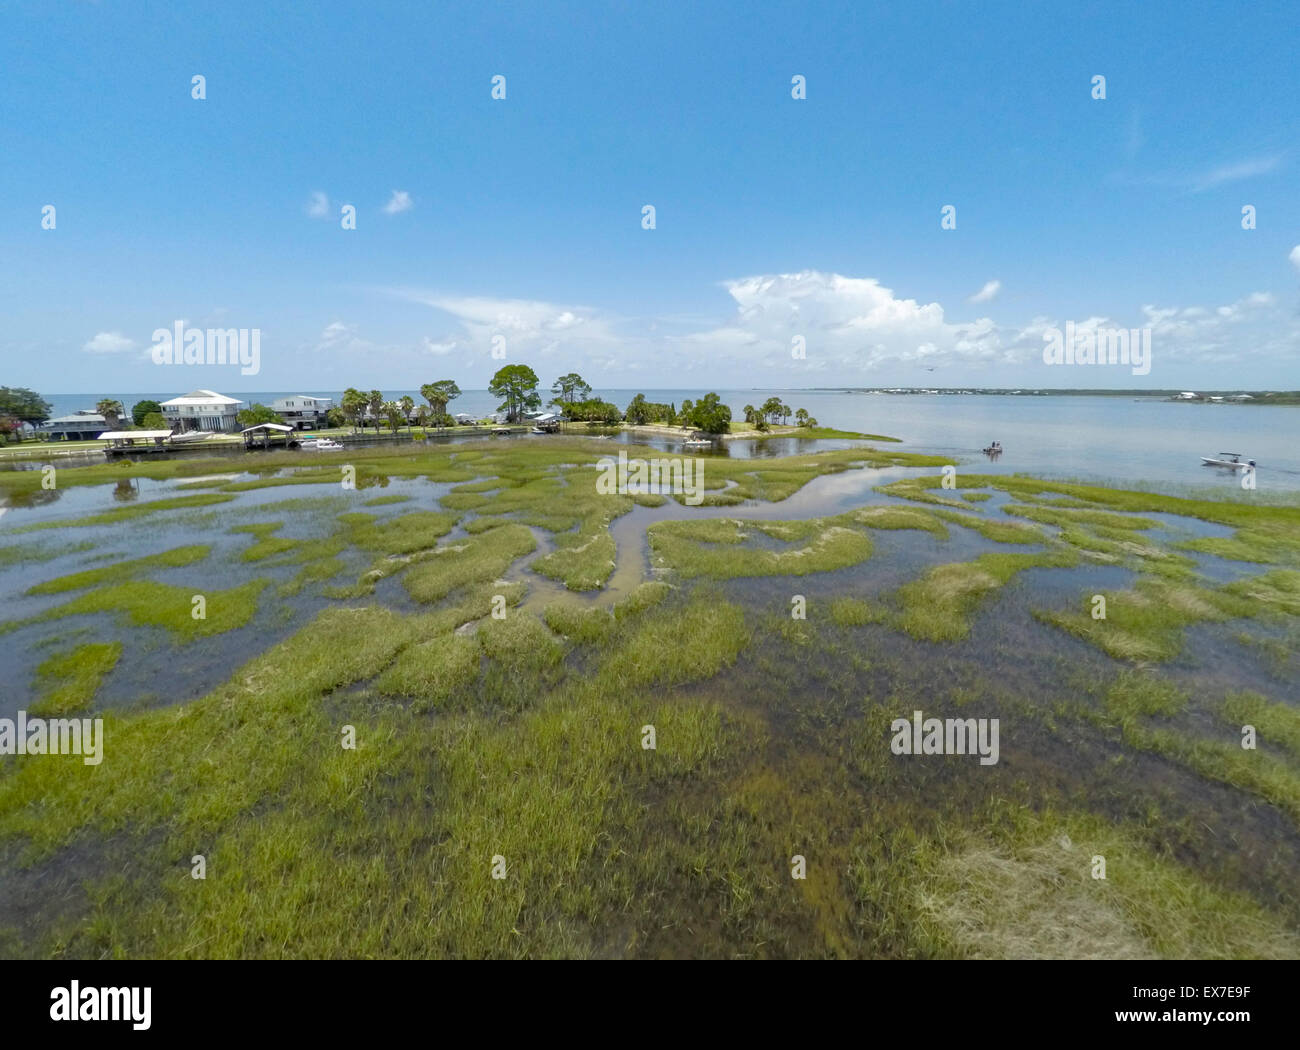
[80,426]
[202,410]
[303,412]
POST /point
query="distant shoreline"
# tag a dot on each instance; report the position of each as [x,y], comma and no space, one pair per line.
[1253,397]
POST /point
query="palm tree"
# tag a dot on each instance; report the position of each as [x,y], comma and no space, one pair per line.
[112,412]
[422,416]
[801,417]
[391,411]
[749,413]
[439,395]
[375,402]
[353,405]
[408,406]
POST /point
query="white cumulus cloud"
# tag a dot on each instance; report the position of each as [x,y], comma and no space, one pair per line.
[109,343]
[399,202]
[853,323]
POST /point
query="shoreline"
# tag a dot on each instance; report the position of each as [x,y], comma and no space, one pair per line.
[49,449]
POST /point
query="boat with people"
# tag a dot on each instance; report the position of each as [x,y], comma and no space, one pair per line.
[993,449]
[322,445]
[1230,461]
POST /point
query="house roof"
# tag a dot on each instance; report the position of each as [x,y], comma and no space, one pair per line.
[77,417]
[268,426]
[202,397]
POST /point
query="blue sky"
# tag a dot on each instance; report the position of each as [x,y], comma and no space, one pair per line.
[775,217]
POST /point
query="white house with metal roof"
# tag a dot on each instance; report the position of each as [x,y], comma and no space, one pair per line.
[202,410]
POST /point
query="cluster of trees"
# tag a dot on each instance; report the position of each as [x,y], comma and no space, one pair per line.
[145,415]
[362,408]
[256,414]
[148,415]
[640,411]
[708,414]
[571,395]
[774,409]
[18,405]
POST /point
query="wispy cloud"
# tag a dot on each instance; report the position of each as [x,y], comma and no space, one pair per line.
[399,202]
[1134,139]
[339,336]
[987,293]
[1198,181]
[1295,256]
[318,205]
[1233,172]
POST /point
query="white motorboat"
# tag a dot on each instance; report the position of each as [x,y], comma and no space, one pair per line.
[322,445]
[1229,460]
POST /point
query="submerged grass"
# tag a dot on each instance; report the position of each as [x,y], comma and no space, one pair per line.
[1276,723]
[28,553]
[122,570]
[1149,620]
[643,772]
[139,510]
[67,682]
[476,559]
[583,560]
[716,548]
[142,603]
[1027,891]
[938,606]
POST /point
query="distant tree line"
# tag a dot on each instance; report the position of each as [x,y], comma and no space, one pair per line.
[516,386]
